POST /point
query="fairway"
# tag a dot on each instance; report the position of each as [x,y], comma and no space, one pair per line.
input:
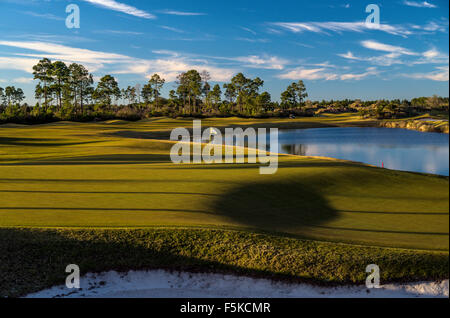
[95,175]
[301,144]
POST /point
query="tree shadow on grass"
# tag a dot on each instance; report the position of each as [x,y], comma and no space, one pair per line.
[292,164]
[112,159]
[41,142]
[287,207]
[275,206]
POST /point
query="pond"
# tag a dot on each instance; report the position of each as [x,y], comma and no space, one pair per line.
[398,149]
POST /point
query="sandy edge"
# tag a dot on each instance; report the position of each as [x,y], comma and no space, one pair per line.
[165,284]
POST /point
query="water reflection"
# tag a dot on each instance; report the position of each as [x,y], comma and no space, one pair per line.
[295,149]
[398,149]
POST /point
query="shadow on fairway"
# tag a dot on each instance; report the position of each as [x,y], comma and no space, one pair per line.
[275,206]
[40,142]
[114,159]
[290,206]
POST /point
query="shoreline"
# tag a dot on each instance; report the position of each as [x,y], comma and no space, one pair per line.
[437,126]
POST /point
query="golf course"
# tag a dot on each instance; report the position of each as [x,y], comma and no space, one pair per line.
[106,196]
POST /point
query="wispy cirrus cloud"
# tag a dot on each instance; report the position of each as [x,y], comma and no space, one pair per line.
[396,55]
[382,60]
[46,37]
[18,80]
[441,74]
[181,13]
[23,80]
[378,46]
[47,16]
[93,59]
[309,74]
[262,62]
[248,30]
[165,27]
[118,32]
[252,40]
[433,56]
[325,73]
[122,7]
[338,27]
[417,4]
[17,63]
[168,67]
[351,76]
[433,26]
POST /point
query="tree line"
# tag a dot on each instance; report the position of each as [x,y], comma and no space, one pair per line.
[67,92]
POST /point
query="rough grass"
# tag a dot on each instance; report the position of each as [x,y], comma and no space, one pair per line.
[42,256]
[104,175]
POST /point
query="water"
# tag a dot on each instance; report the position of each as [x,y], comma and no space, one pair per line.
[398,149]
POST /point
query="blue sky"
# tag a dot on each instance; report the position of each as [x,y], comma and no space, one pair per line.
[325,43]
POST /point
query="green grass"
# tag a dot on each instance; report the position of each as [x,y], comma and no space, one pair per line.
[42,255]
[115,176]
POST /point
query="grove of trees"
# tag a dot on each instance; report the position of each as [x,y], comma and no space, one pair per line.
[67,92]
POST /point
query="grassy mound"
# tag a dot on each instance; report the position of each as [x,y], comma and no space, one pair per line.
[35,259]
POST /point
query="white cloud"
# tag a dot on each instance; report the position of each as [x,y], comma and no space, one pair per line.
[252,40]
[433,26]
[349,55]
[248,30]
[383,60]
[433,56]
[181,13]
[168,67]
[166,52]
[431,53]
[373,45]
[349,76]
[323,27]
[23,80]
[118,32]
[418,4]
[122,7]
[171,29]
[48,16]
[16,63]
[264,62]
[395,53]
[94,60]
[326,72]
[441,74]
[309,74]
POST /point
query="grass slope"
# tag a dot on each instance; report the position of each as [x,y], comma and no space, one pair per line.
[43,254]
[102,175]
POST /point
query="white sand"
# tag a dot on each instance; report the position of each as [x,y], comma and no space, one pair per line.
[161,284]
